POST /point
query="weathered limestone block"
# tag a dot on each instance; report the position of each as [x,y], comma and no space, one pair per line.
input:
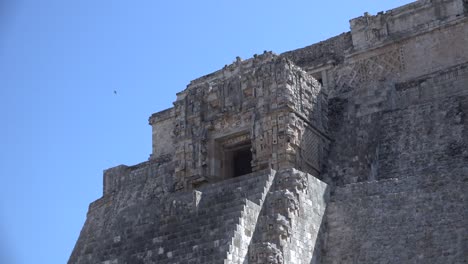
[162,124]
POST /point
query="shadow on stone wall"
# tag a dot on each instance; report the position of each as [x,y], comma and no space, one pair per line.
[319,249]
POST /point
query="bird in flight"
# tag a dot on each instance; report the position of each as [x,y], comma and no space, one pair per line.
[115,92]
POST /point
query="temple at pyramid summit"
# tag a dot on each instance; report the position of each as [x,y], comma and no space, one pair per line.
[351,150]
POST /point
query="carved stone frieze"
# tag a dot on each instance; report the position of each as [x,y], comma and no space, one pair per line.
[374,68]
[292,180]
[265,253]
[254,102]
[284,202]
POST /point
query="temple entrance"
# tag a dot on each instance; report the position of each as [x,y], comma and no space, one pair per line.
[232,156]
[241,161]
[237,161]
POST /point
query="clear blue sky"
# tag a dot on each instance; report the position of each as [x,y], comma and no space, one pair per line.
[62,125]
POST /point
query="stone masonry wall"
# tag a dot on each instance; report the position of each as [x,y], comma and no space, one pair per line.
[162,124]
[332,50]
[118,221]
[408,20]
[421,219]
[427,131]
[397,116]
[371,92]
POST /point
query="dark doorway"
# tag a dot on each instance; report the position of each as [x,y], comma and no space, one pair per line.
[233,155]
[318,77]
[241,161]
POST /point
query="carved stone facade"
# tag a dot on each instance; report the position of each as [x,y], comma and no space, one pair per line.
[267,104]
[351,150]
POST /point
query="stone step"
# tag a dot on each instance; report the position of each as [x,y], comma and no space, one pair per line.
[232,183]
[205,234]
[197,226]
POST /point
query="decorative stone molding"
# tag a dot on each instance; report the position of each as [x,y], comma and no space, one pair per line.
[265,253]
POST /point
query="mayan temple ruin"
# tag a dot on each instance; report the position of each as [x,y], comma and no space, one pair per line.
[351,150]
